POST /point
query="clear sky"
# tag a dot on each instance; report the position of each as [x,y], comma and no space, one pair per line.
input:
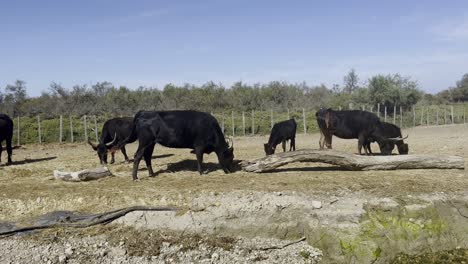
[151,43]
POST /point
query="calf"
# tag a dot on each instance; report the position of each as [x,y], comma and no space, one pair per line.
[282,131]
[113,132]
[393,135]
[349,124]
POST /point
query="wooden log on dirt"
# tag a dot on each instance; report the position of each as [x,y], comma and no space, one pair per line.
[83,175]
[355,162]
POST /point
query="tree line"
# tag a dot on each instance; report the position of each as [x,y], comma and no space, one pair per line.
[105,98]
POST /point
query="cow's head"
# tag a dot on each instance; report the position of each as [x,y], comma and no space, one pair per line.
[388,144]
[102,148]
[403,148]
[227,157]
[386,147]
[269,149]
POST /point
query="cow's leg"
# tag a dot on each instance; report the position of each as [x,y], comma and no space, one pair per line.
[112,157]
[292,146]
[199,153]
[283,144]
[147,155]
[9,149]
[1,149]
[329,141]
[322,140]
[361,142]
[136,160]
[124,152]
[368,146]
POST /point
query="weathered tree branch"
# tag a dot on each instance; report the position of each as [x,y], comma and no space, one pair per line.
[355,162]
[82,221]
[83,175]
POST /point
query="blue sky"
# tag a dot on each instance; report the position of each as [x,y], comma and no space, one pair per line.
[152,43]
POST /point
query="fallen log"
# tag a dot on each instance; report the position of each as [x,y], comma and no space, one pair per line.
[355,162]
[83,175]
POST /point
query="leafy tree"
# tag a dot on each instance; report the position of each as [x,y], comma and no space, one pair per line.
[351,82]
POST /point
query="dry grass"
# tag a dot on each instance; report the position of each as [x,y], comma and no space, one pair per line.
[28,187]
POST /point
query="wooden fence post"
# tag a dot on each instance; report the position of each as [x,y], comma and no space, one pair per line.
[339,107]
[422,115]
[71,129]
[271,118]
[363,108]
[288,114]
[243,122]
[464,120]
[39,128]
[437,116]
[394,114]
[445,115]
[253,122]
[95,129]
[232,123]
[18,131]
[427,116]
[372,108]
[385,119]
[378,110]
[85,129]
[304,120]
[401,116]
[222,124]
[61,130]
[414,116]
[453,118]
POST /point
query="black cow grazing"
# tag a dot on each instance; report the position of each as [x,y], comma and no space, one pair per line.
[351,124]
[180,129]
[113,132]
[393,134]
[282,131]
[6,133]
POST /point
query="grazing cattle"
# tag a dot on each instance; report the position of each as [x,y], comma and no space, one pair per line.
[180,129]
[282,131]
[389,131]
[6,133]
[114,131]
[351,124]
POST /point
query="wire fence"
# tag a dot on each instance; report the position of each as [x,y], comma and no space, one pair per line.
[64,128]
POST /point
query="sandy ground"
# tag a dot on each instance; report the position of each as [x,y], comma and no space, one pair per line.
[28,188]
[30,179]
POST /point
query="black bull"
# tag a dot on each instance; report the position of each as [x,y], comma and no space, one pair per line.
[6,133]
[113,132]
[180,129]
[364,126]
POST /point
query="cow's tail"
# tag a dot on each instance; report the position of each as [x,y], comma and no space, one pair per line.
[131,137]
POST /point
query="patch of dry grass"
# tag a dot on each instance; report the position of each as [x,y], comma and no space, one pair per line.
[28,187]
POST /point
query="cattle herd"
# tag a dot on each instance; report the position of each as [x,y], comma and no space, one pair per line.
[201,132]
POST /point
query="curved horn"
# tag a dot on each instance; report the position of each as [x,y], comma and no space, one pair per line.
[230,143]
[398,138]
[92,145]
[113,140]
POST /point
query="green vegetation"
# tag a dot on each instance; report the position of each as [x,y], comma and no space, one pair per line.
[400,96]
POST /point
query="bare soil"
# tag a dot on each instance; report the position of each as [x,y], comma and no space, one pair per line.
[28,188]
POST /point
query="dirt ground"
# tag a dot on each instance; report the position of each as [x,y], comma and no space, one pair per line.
[31,176]
[29,189]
